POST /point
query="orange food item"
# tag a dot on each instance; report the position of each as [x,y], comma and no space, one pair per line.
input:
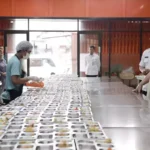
[109,148]
[35,84]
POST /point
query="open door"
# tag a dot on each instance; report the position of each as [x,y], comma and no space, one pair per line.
[85,40]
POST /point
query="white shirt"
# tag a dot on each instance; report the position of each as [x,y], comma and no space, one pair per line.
[145,62]
[92,64]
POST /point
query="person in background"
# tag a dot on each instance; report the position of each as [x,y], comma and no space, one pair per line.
[144,67]
[2,69]
[92,63]
[15,77]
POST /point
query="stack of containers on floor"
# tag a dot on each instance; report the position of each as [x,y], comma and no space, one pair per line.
[56,117]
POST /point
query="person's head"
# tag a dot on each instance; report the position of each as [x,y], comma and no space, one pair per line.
[1,51]
[24,49]
[91,49]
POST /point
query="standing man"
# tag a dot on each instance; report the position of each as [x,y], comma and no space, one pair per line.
[92,63]
[15,76]
[144,66]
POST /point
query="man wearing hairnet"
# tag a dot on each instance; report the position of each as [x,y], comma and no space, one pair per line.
[15,78]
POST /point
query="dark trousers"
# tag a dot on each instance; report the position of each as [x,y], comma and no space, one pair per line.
[91,75]
[13,95]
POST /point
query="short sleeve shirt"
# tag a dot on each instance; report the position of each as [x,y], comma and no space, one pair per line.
[13,69]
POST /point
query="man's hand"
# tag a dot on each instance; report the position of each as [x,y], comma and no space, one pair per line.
[34,78]
[146,71]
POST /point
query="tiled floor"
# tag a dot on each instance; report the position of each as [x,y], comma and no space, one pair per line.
[124,115]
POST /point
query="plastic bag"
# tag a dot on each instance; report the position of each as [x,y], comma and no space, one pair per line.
[127,74]
[128,70]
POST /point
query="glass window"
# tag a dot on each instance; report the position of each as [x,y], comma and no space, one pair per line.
[125,25]
[146,25]
[11,42]
[145,40]
[53,24]
[1,39]
[93,25]
[105,53]
[53,53]
[125,51]
[14,24]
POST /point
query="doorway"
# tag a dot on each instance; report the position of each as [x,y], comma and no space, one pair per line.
[11,39]
[53,53]
[85,40]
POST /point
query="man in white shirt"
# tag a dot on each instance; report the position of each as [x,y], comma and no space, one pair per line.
[144,66]
[92,63]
